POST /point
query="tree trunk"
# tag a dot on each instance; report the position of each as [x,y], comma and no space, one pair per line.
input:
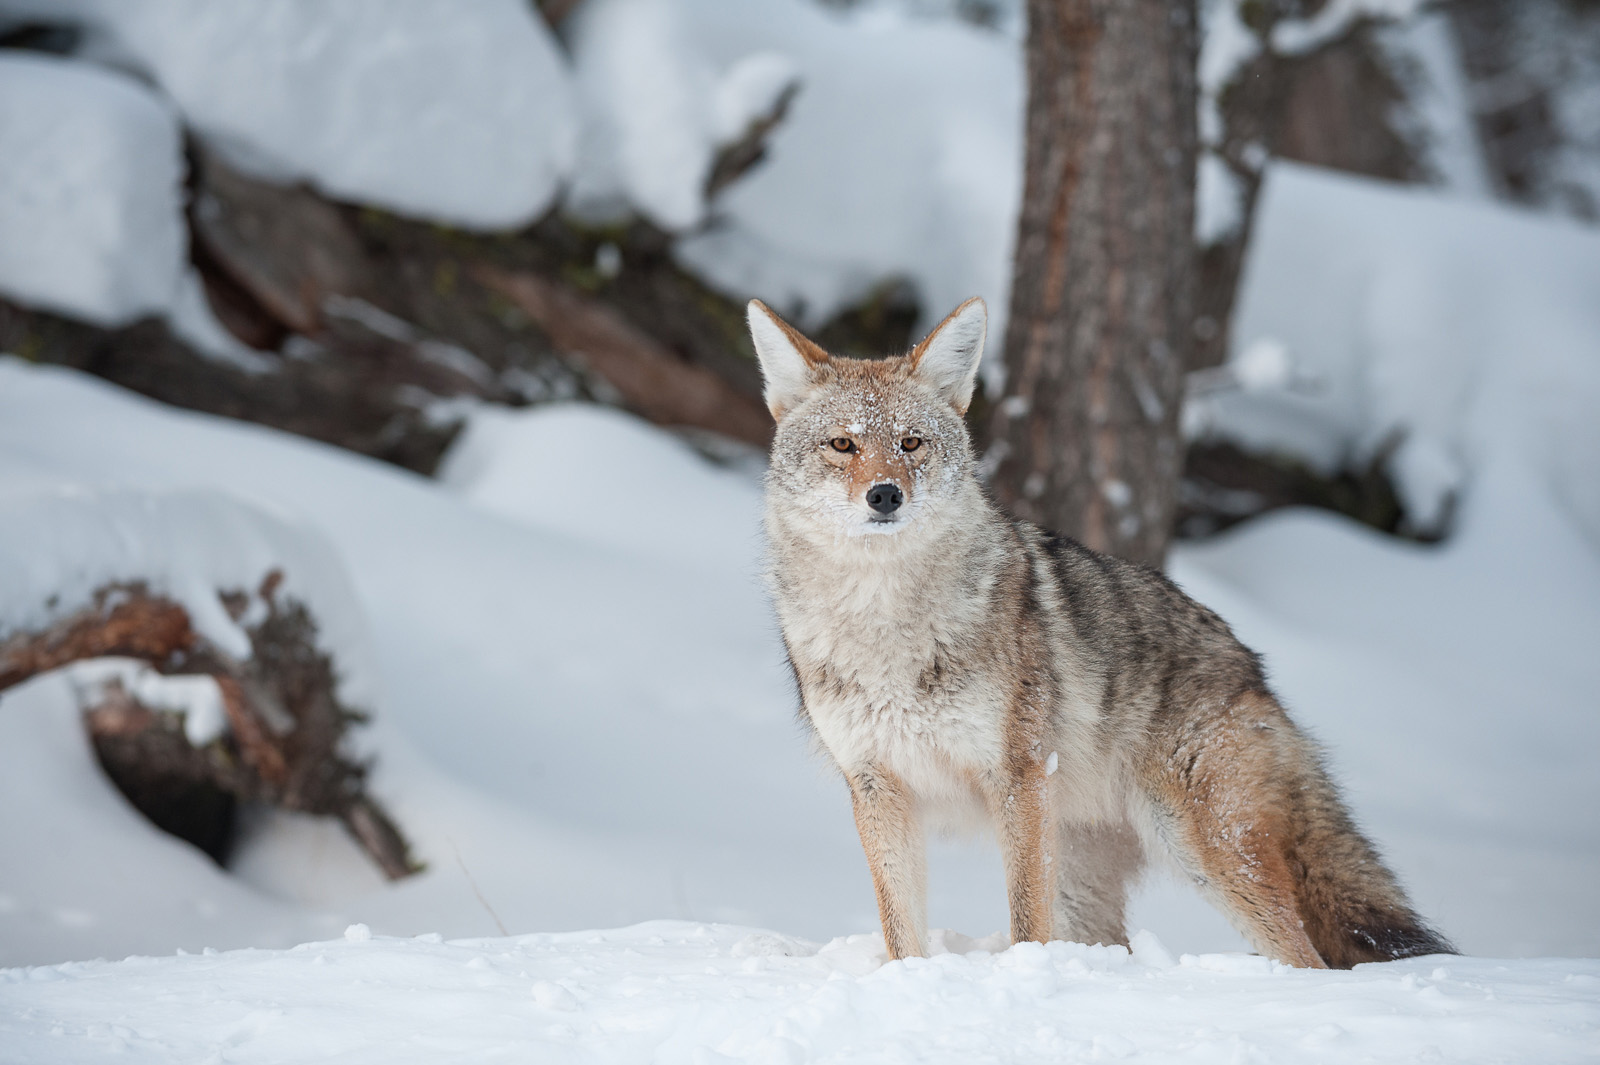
[1086,439]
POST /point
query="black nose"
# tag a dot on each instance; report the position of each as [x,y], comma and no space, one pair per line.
[884,498]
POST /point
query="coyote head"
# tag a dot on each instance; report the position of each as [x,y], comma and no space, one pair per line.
[868,446]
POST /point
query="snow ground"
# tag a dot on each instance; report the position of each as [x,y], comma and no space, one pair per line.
[672,991]
[584,721]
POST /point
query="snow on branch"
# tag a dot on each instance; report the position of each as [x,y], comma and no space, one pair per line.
[284,724]
[1336,18]
[174,580]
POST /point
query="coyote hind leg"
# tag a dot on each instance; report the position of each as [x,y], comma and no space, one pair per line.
[1220,796]
[1094,866]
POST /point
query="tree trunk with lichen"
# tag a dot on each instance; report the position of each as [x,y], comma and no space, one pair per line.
[1085,438]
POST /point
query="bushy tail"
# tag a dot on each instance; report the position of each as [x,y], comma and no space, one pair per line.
[1352,907]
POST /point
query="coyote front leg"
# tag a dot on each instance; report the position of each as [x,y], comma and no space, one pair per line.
[891,834]
[1019,802]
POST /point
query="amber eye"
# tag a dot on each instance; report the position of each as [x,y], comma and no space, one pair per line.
[910,443]
[842,443]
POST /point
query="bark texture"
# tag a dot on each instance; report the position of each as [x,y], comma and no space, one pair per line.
[1085,440]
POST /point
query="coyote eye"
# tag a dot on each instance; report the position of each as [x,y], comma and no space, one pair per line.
[842,443]
[911,443]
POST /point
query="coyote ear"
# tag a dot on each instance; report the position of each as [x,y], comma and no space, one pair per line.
[948,357]
[789,362]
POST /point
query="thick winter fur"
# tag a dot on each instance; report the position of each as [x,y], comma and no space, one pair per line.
[957,664]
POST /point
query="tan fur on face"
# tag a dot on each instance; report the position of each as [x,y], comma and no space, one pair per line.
[876,460]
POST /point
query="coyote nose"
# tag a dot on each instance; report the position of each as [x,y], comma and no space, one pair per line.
[884,498]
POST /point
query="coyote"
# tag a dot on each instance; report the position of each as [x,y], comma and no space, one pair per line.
[958,664]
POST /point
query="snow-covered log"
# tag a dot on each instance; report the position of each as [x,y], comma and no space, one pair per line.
[108,578]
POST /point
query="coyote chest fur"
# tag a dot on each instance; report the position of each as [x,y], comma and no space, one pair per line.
[957,664]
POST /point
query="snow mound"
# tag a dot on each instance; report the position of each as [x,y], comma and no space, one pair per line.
[518,463]
[901,155]
[91,180]
[672,991]
[59,546]
[422,107]
[1450,331]
[114,884]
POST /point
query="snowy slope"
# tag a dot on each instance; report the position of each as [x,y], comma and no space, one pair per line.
[597,720]
[675,992]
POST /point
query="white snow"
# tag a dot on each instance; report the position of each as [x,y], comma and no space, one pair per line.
[62,539]
[197,699]
[583,717]
[1464,330]
[1218,200]
[900,157]
[91,180]
[657,107]
[409,106]
[1422,51]
[1332,20]
[1226,45]
[673,992]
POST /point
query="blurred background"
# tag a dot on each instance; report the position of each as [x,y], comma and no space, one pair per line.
[464,632]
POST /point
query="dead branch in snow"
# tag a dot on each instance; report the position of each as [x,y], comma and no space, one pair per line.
[286,723]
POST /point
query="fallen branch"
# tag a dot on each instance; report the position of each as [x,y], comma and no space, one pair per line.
[651,380]
[286,724]
[124,620]
[734,160]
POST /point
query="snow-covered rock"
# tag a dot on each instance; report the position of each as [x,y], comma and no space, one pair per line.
[91,187]
[427,107]
[1463,330]
[901,155]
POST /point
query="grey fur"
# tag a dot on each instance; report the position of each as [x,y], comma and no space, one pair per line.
[960,665]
